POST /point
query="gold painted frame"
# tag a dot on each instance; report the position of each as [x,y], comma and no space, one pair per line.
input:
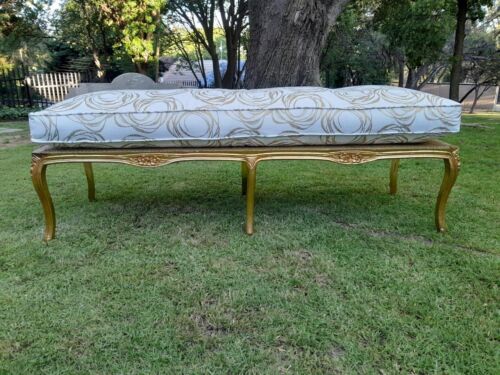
[249,158]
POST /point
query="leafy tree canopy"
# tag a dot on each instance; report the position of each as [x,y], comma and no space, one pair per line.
[138,21]
[112,31]
[22,31]
[419,28]
[355,53]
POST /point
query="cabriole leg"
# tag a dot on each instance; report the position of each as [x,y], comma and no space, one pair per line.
[452,166]
[393,184]
[90,181]
[38,169]
[244,176]
[250,193]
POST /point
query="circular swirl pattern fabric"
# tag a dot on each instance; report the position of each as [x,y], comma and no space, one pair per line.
[287,116]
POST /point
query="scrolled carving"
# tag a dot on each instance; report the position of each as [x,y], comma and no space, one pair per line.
[351,157]
[148,160]
[35,159]
[456,156]
[251,162]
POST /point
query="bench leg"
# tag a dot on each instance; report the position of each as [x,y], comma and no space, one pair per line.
[452,167]
[393,184]
[250,193]
[244,177]
[90,181]
[38,171]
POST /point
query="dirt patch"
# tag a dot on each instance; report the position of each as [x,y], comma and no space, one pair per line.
[206,327]
[423,240]
[9,348]
[13,144]
[9,140]
[337,352]
[322,280]
[7,130]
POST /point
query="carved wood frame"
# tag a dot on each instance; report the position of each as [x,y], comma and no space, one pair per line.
[249,158]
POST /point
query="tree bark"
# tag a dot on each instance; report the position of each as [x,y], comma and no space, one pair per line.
[458,50]
[467,94]
[232,59]
[401,72]
[286,41]
[233,22]
[141,67]
[89,27]
[476,98]
[216,67]
[97,62]
[410,81]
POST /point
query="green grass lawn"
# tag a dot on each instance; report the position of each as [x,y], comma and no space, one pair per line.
[157,276]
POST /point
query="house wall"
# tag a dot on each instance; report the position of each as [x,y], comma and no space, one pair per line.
[487,103]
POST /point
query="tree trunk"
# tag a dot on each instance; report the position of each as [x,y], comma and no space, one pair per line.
[232,15]
[239,70]
[97,62]
[286,41]
[201,65]
[401,71]
[228,82]
[216,68]
[477,96]
[410,81]
[467,94]
[141,67]
[458,50]
[157,47]
[474,103]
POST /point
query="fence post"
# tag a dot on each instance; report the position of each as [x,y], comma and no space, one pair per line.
[27,86]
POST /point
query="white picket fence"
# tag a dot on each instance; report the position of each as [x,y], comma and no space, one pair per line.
[55,86]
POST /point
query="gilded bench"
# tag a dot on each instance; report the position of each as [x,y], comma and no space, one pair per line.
[151,128]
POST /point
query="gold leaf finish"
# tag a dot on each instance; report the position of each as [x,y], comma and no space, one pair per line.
[148,160]
[352,157]
[249,157]
[455,155]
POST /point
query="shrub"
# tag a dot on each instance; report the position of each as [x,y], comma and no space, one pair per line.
[15,113]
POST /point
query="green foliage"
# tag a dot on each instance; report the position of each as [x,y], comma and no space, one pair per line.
[177,35]
[17,18]
[477,9]
[417,28]
[370,38]
[85,40]
[481,58]
[206,23]
[81,25]
[373,37]
[14,113]
[5,63]
[23,33]
[112,32]
[355,52]
[138,22]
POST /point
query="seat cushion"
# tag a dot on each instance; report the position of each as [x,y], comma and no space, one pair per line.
[288,116]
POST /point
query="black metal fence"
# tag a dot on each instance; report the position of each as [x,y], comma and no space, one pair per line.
[20,88]
[14,92]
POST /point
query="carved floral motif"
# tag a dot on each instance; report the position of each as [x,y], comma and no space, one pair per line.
[455,155]
[35,159]
[348,157]
[148,160]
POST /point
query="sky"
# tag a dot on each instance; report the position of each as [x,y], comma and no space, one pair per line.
[56,4]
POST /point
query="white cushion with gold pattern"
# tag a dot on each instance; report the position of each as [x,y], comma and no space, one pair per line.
[287,116]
